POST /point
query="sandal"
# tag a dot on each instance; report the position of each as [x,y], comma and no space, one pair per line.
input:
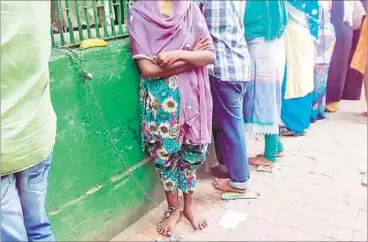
[235,195]
[287,133]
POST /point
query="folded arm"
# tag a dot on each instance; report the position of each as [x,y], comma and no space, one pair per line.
[197,58]
[150,70]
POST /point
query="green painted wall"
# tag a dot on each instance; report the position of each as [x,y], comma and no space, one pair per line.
[92,194]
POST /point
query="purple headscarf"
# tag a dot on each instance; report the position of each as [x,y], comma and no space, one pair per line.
[151,33]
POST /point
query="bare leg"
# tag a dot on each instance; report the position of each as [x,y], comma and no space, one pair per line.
[168,223]
[197,221]
[219,172]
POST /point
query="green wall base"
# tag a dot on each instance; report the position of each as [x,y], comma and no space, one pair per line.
[100,181]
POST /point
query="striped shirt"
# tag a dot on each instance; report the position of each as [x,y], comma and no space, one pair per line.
[225,20]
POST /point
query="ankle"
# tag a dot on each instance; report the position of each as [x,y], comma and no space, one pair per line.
[188,206]
[171,211]
[270,158]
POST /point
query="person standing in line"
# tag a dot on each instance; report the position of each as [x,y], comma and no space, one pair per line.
[28,120]
[360,62]
[300,37]
[324,50]
[228,79]
[265,23]
[342,20]
[354,79]
[172,46]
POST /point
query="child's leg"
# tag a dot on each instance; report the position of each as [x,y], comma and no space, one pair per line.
[166,166]
[190,212]
[169,180]
[191,158]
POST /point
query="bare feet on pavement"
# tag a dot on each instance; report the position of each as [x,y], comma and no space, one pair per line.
[259,161]
[223,185]
[197,221]
[167,226]
[279,155]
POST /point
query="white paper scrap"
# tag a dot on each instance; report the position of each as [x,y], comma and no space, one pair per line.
[231,219]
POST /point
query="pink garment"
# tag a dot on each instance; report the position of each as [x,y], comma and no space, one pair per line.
[151,33]
[358,14]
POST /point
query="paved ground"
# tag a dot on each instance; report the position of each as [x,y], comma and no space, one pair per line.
[316,194]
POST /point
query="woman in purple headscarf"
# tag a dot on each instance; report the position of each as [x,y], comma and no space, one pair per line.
[172,46]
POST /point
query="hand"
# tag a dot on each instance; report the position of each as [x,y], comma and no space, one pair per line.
[167,59]
[201,44]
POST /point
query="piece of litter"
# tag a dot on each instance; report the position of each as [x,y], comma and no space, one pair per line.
[269,169]
[364,180]
[231,219]
[172,238]
[176,238]
[362,172]
[264,169]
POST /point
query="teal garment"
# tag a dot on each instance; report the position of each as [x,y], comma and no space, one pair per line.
[311,10]
[265,19]
[273,147]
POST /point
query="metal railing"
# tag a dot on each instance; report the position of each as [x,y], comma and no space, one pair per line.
[76,20]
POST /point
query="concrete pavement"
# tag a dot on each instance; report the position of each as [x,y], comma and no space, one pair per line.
[316,195]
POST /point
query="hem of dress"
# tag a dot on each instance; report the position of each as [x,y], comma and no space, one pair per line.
[300,95]
[262,129]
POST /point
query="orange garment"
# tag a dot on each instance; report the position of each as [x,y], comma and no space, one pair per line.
[359,61]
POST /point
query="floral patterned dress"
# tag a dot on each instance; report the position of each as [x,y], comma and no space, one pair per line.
[175,157]
[324,50]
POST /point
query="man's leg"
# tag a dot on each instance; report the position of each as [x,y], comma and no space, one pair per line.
[12,225]
[230,131]
[220,171]
[32,188]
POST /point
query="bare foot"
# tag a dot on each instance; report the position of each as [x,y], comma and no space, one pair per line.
[279,155]
[197,221]
[363,119]
[223,185]
[219,173]
[167,225]
[259,161]
[364,114]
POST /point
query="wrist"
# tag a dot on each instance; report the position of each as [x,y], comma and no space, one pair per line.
[181,55]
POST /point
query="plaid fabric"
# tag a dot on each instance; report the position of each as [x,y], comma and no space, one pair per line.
[226,25]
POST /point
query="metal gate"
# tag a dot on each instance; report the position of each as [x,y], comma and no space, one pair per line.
[76,20]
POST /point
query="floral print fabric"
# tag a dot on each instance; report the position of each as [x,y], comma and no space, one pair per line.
[175,157]
[327,39]
[319,94]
